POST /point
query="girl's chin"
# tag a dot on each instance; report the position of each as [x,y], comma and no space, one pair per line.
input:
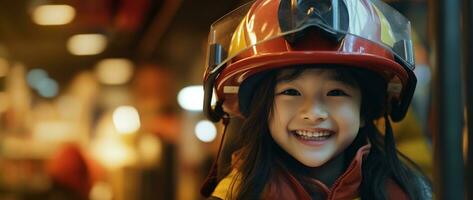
[311,162]
[313,165]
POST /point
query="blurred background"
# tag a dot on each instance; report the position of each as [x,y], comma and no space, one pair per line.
[101,99]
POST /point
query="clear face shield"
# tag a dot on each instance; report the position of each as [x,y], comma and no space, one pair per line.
[372,20]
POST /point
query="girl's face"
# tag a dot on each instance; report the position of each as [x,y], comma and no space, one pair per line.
[315,116]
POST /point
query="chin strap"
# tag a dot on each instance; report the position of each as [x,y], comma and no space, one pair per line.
[211,181]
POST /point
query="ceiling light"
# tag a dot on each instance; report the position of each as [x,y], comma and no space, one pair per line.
[114,71]
[53,14]
[87,44]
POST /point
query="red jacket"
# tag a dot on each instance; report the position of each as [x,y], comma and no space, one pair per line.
[285,186]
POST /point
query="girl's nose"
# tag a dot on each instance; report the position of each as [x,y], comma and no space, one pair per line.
[315,112]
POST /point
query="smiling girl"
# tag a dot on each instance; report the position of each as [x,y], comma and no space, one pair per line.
[310,78]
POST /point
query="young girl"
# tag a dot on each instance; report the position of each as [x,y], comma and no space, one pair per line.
[310,78]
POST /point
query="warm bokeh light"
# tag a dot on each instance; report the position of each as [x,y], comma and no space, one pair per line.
[126,119]
[192,98]
[114,71]
[109,147]
[205,131]
[53,130]
[101,191]
[86,44]
[4,68]
[150,149]
[113,153]
[53,14]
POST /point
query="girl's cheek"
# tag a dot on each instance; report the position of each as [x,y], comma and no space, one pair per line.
[285,108]
[347,111]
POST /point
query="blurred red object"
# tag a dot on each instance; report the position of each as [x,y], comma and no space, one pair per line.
[71,169]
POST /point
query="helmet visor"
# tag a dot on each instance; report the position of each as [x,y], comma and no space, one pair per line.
[372,20]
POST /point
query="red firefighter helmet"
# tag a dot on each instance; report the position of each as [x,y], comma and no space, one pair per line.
[271,34]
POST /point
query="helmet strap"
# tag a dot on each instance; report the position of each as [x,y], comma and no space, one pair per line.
[390,144]
[211,181]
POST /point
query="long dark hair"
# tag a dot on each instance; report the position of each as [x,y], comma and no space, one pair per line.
[261,153]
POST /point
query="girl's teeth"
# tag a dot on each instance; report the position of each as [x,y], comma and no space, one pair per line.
[312,134]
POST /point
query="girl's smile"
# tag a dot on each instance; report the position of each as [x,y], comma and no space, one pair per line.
[313,137]
[315,115]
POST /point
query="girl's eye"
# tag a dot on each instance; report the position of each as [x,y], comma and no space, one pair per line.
[290,92]
[337,92]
